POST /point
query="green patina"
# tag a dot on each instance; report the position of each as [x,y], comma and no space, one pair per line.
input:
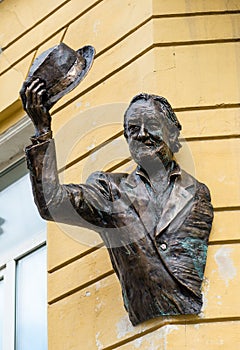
[198,252]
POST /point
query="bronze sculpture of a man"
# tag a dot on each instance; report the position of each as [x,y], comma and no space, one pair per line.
[155,222]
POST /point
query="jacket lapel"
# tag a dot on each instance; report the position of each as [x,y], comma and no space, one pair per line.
[141,200]
[181,196]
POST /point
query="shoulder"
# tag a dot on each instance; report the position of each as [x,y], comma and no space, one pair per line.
[200,188]
[106,177]
[107,183]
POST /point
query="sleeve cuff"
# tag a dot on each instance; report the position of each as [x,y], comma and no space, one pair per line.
[41,138]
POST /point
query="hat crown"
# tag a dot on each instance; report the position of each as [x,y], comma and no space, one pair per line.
[54,64]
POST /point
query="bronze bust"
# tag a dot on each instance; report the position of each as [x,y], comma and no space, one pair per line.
[155,222]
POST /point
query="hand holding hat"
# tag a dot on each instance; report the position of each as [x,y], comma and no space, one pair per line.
[53,74]
[35,96]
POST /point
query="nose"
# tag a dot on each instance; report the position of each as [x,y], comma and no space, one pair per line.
[143,134]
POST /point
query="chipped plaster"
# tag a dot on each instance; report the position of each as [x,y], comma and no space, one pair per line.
[226,269]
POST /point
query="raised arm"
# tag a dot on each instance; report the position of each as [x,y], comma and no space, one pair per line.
[82,205]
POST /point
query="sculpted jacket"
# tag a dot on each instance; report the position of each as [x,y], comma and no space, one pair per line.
[157,244]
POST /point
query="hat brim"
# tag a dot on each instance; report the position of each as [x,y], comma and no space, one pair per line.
[87,52]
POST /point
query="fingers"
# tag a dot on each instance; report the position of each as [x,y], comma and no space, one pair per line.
[39,97]
[28,91]
[36,96]
[34,83]
[34,93]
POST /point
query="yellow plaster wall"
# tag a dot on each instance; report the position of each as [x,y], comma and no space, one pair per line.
[185,50]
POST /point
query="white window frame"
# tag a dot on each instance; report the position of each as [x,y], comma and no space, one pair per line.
[12,143]
[8,274]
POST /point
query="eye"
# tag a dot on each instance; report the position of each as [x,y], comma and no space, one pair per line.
[132,129]
[153,125]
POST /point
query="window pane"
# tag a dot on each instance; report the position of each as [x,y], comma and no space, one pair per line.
[1,312]
[31,308]
[19,219]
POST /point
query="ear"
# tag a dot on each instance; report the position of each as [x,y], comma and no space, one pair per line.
[125,131]
[125,135]
[174,143]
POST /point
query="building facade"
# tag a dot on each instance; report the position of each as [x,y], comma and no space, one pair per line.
[185,50]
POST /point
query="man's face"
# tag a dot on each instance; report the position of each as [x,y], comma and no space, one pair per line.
[147,134]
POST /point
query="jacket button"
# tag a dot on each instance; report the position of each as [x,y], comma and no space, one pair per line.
[163,246]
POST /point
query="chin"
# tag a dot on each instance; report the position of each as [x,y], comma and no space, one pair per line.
[144,155]
[145,159]
[141,154]
[153,161]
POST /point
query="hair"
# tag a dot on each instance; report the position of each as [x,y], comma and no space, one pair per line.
[172,123]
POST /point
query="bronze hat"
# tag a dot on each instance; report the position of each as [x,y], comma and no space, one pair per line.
[61,68]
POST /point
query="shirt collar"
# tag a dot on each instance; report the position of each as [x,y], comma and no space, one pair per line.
[174,172]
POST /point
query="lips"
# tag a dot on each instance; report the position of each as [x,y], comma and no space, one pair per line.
[153,143]
[148,143]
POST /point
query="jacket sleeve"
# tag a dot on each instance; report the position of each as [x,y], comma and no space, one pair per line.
[87,205]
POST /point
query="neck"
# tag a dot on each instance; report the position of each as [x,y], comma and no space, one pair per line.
[157,170]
